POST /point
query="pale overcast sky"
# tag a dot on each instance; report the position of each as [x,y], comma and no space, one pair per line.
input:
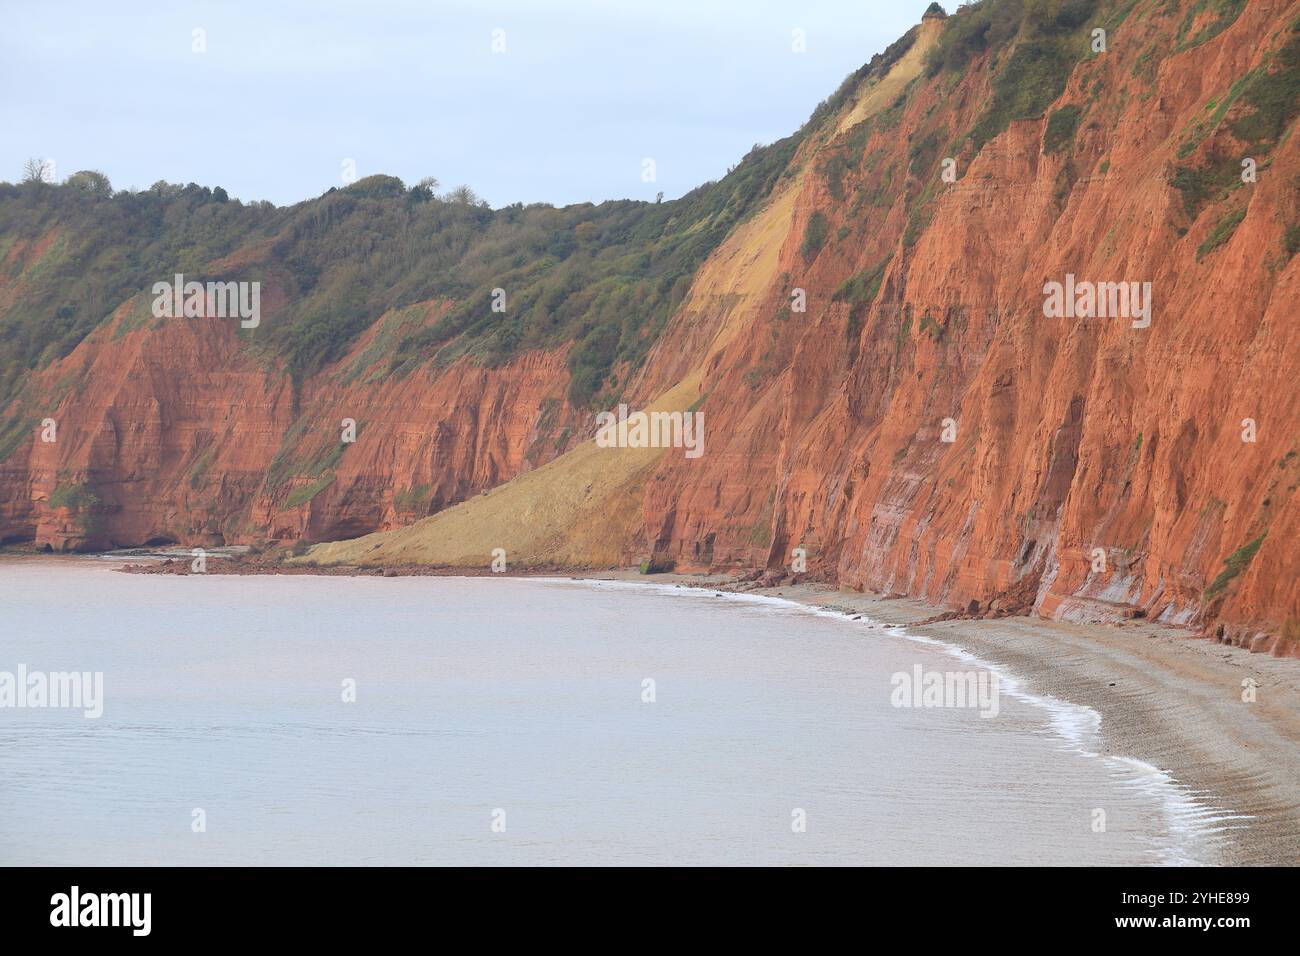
[287,91]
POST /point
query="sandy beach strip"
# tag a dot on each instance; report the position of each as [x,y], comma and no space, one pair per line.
[1166,697]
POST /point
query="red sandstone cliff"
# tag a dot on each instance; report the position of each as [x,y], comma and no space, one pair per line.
[182,436]
[1070,434]
[1096,470]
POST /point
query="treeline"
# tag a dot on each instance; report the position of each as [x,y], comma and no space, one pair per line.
[605,277]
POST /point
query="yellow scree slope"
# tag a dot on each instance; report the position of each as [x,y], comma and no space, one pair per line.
[584,507]
[878,94]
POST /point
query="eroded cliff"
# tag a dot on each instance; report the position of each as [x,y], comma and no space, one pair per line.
[888,394]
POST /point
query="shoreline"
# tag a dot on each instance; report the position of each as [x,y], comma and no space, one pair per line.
[1168,698]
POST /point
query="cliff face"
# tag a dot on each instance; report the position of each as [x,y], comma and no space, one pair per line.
[920,426]
[1092,468]
[410,350]
[174,433]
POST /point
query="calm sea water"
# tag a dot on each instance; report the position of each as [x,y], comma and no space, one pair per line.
[520,702]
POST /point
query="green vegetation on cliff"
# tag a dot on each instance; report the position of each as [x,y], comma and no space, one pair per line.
[1233,565]
[603,276]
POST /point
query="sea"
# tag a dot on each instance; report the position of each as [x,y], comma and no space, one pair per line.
[331,720]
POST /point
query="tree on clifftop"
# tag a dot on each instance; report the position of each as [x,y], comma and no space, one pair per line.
[34,170]
[90,181]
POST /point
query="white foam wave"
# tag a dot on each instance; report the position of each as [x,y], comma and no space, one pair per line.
[1194,822]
